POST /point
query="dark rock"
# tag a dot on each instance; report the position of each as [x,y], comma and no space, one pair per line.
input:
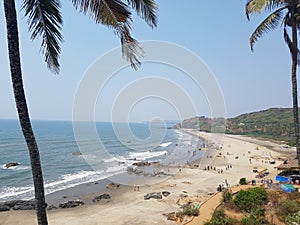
[155,195]
[112,186]
[103,196]
[24,205]
[11,204]
[141,164]
[71,204]
[4,208]
[166,193]
[76,153]
[130,169]
[11,164]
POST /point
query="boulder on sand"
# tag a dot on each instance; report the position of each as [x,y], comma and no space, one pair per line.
[4,208]
[21,205]
[155,195]
[103,196]
[71,204]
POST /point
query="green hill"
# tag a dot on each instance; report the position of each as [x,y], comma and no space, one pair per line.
[274,123]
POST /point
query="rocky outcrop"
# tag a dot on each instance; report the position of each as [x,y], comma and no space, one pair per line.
[4,208]
[24,205]
[155,195]
[17,205]
[11,164]
[141,163]
[71,204]
[103,196]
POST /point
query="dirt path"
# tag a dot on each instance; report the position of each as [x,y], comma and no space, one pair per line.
[207,208]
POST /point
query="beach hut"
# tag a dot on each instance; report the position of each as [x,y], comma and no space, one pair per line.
[289,167]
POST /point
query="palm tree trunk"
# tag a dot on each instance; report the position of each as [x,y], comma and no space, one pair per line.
[16,76]
[294,87]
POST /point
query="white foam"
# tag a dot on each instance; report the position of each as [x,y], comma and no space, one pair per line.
[64,182]
[146,155]
[165,144]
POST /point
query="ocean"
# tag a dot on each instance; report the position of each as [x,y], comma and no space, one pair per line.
[65,167]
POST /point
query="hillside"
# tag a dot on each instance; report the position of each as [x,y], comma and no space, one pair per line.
[273,123]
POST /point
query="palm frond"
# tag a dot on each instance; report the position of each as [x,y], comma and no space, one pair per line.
[107,12]
[131,49]
[116,15]
[270,23]
[147,9]
[44,19]
[274,4]
[255,6]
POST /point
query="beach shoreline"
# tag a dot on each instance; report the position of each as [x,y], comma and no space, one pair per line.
[235,157]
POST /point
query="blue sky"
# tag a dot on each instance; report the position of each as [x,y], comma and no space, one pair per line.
[218,32]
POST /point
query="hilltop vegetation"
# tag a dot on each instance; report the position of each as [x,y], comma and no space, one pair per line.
[274,123]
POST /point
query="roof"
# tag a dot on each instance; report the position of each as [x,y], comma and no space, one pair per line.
[291,164]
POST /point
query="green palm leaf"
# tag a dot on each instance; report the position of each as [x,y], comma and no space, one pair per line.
[270,23]
[45,20]
[146,9]
[257,6]
[107,12]
[116,15]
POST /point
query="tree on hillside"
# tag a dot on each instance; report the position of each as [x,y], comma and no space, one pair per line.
[45,22]
[287,13]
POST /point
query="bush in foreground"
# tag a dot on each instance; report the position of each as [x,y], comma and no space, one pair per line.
[219,217]
[286,208]
[251,199]
[293,219]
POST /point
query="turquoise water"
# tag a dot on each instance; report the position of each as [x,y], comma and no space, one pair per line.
[62,169]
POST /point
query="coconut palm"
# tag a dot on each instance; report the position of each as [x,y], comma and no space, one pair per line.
[45,21]
[287,13]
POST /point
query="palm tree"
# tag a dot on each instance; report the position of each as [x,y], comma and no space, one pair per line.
[45,21]
[287,13]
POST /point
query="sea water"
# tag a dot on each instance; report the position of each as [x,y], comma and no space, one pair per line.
[64,167]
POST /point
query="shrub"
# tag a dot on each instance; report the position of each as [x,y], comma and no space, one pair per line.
[287,207]
[190,210]
[256,217]
[243,181]
[219,217]
[251,199]
[293,219]
[227,195]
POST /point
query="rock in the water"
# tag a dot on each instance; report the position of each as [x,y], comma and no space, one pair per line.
[141,164]
[112,186]
[103,196]
[11,164]
[155,195]
[130,169]
[71,204]
[166,193]
[24,205]
[76,153]
[4,208]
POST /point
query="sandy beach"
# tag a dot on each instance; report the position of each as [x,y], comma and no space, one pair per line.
[232,158]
